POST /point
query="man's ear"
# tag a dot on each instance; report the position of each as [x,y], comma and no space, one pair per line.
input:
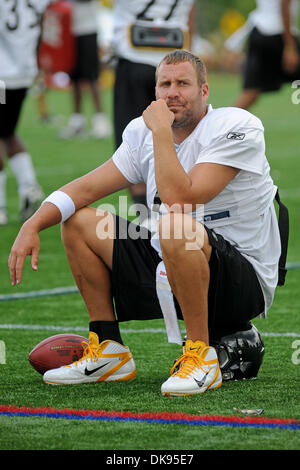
[205,90]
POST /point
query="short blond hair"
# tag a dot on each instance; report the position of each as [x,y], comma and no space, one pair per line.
[181,55]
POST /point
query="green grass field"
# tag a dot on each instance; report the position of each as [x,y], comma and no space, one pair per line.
[276,390]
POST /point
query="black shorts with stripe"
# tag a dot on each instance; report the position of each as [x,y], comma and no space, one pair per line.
[235,296]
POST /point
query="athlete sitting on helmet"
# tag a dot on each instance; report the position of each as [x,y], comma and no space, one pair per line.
[218,235]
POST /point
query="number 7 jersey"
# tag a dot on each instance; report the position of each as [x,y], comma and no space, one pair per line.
[20,29]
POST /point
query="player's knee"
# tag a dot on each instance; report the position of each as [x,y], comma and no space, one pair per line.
[75,224]
[14,145]
[180,231]
[168,227]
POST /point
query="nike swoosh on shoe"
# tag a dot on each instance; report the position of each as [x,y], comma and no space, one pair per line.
[89,372]
[201,382]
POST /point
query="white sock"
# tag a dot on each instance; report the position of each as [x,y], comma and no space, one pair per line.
[2,189]
[22,168]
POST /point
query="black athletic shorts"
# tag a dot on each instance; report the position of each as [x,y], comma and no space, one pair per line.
[87,65]
[263,68]
[134,90]
[235,295]
[10,111]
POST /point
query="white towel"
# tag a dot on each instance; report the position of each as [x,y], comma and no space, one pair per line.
[167,305]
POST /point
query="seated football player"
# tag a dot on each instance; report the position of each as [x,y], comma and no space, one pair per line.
[217,239]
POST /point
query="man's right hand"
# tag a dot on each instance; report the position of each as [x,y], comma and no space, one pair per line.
[104,180]
[158,116]
[27,243]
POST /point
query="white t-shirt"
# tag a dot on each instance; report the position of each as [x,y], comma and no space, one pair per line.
[19,34]
[85,17]
[267,17]
[163,13]
[245,212]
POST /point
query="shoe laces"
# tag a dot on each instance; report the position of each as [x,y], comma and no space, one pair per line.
[90,351]
[187,363]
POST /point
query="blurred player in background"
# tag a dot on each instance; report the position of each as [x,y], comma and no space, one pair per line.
[273,51]
[139,48]
[86,72]
[20,29]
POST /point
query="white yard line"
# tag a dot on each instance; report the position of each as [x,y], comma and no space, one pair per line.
[39,293]
[76,329]
[74,290]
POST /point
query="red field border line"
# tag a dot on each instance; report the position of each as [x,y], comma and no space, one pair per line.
[150,417]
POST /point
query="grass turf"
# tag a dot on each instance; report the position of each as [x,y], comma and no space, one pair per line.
[277,388]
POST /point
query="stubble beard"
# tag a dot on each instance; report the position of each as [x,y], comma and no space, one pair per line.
[188,119]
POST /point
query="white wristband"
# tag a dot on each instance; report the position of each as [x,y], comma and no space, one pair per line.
[63,202]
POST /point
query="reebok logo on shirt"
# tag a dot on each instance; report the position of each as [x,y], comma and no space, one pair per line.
[235,136]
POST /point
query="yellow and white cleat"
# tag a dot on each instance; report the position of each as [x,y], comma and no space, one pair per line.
[106,362]
[196,371]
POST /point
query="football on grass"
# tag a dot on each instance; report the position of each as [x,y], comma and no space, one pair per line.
[56,351]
